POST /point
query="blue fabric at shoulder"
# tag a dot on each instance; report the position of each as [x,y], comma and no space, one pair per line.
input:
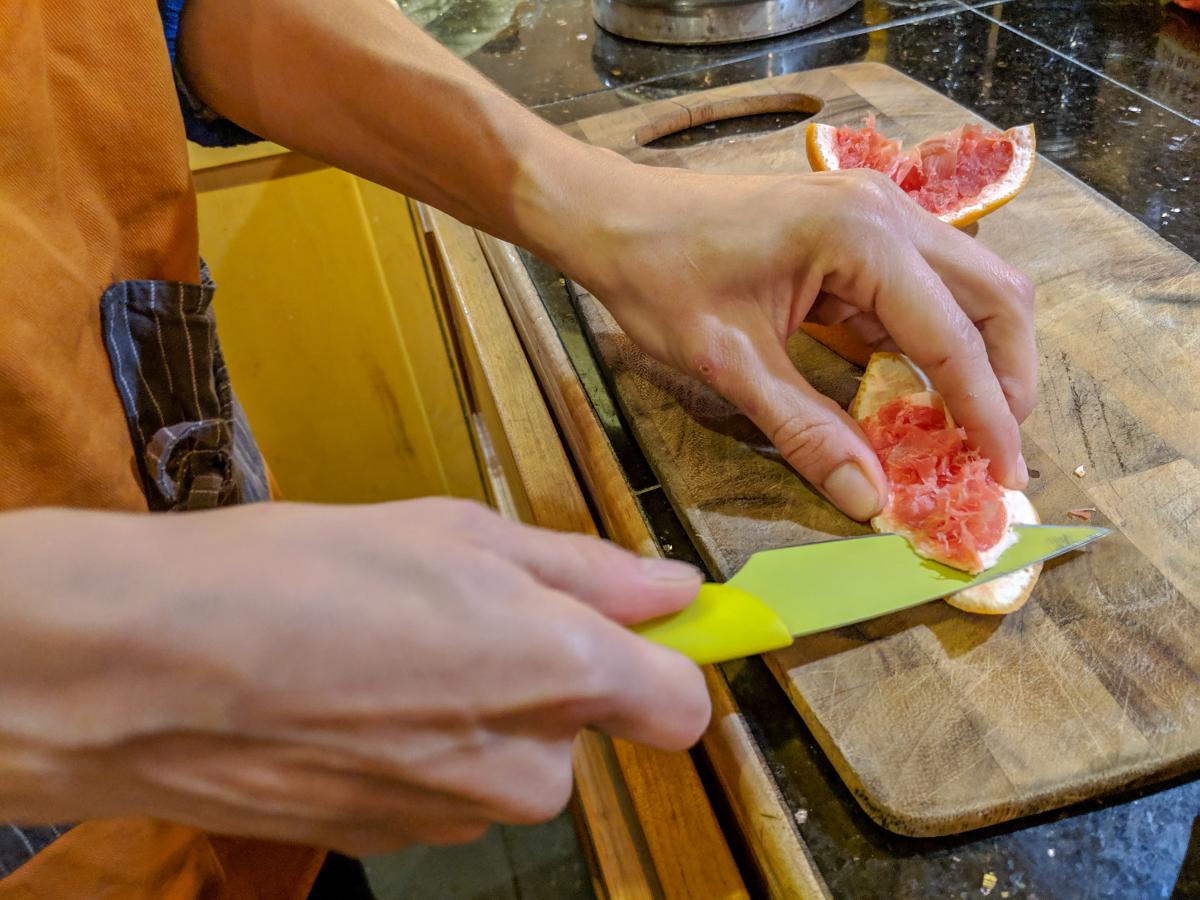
[169,10]
[203,125]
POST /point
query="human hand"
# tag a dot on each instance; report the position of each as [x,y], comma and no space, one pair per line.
[709,273]
[351,677]
[712,273]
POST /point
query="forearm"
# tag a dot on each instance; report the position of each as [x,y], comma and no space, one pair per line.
[356,84]
[84,669]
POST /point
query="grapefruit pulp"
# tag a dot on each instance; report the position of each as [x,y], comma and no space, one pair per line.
[941,497]
[959,176]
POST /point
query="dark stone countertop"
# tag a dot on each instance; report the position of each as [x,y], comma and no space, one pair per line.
[1113,86]
[1114,90]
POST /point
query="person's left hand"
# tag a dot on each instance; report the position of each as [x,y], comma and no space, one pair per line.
[712,273]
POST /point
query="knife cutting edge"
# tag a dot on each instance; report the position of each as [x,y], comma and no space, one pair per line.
[779,595]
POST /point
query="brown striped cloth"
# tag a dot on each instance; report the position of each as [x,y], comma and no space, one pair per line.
[193,445]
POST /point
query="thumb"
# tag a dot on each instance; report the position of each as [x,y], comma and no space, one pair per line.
[816,436]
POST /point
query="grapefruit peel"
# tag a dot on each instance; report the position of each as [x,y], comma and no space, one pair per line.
[890,376]
[822,143]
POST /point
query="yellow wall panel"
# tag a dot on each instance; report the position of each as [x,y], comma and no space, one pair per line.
[310,328]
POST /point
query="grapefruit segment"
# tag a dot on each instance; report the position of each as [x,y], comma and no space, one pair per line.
[959,176]
[942,499]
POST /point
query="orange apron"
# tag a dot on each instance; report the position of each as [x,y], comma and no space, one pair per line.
[95,190]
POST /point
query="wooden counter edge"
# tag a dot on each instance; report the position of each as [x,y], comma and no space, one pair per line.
[652,830]
[779,852]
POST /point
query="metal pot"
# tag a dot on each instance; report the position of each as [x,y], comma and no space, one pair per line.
[711,21]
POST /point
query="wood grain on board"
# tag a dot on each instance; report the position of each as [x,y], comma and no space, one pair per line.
[941,721]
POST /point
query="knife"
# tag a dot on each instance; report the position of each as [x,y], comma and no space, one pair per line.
[782,594]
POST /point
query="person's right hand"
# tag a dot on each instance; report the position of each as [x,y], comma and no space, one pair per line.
[352,677]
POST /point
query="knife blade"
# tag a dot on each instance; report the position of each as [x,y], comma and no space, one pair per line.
[782,594]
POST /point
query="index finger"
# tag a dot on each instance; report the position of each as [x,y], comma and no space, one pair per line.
[624,587]
[927,323]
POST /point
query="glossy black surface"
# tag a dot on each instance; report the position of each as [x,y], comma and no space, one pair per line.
[1114,89]
[1150,48]
[544,52]
[1141,154]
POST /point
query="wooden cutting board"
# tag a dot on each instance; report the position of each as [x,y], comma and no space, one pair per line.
[940,721]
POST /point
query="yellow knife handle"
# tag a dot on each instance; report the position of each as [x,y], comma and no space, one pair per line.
[722,623]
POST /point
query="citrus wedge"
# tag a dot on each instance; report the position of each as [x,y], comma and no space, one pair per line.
[931,472]
[959,176]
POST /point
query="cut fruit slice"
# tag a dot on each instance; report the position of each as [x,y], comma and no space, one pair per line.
[942,498]
[1009,592]
[959,176]
[888,376]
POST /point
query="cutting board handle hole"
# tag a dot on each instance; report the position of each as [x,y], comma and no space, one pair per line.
[727,118]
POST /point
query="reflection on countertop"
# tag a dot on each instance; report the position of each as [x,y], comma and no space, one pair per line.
[1140,150]
[1113,86]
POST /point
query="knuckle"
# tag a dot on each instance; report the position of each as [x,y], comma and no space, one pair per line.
[450,513]
[713,352]
[1021,397]
[549,793]
[706,359]
[968,350]
[805,440]
[583,660]
[587,554]
[975,351]
[468,512]
[872,189]
[1023,289]
[469,521]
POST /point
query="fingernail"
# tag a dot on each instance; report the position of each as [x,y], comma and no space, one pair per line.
[850,489]
[1022,470]
[670,571]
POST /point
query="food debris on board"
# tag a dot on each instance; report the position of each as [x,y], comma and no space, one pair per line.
[801,816]
[1080,471]
[989,882]
[1083,512]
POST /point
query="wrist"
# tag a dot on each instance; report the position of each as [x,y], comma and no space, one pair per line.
[575,202]
[85,664]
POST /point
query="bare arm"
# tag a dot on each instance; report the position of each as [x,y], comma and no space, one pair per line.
[710,274]
[355,677]
[358,85]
